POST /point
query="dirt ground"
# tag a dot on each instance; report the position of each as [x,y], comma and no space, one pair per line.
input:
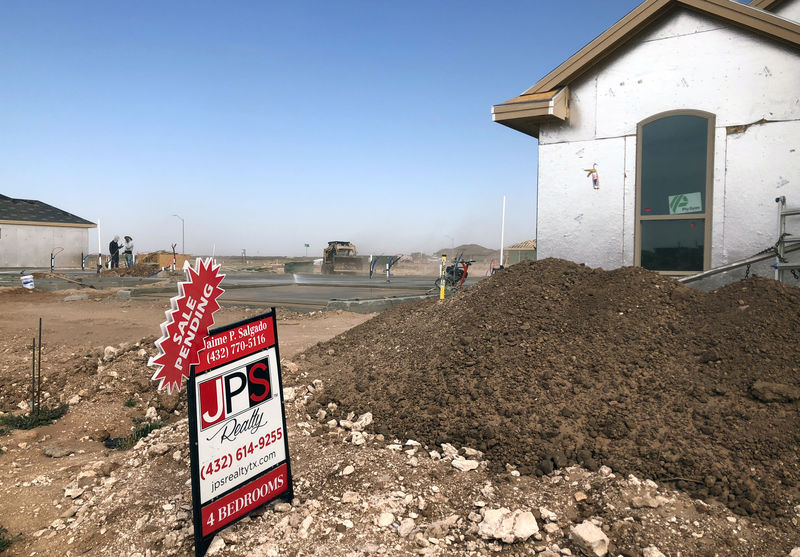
[663,418]
[75,368]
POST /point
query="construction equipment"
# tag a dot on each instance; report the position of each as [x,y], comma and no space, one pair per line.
[341,257]
[455,275]
[782,264]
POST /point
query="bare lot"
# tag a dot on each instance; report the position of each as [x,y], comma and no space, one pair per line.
[75,335]
[370,490]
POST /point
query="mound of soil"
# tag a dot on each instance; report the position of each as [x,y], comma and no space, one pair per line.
[138,270]
[550,363]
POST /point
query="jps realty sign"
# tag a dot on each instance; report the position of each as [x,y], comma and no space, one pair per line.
[237,426]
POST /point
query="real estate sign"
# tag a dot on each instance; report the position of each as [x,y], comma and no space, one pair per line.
[237,426]
[188,320]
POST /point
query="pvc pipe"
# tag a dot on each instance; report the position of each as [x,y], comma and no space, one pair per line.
[502,231]
[99,248]
[734,265]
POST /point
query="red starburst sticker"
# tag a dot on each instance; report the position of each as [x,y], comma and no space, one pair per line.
[186,327]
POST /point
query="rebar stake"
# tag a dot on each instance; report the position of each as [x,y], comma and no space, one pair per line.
[39,386]
[33,375]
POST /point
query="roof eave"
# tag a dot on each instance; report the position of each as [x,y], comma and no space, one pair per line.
[527,116]
[86,224]
[742,15]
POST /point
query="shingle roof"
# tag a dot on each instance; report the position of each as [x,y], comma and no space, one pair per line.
[527,244]
[29,210]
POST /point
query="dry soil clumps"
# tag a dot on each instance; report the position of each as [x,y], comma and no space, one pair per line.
[551,364]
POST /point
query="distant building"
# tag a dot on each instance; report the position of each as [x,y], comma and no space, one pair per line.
[31,230]
[523,251]
[664,142]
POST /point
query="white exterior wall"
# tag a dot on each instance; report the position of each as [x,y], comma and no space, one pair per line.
[30,246]
[762,163]
[789,10]
[583,212]
[687,61]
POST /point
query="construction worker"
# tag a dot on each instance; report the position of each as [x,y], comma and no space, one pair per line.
[128,251]
[113,249]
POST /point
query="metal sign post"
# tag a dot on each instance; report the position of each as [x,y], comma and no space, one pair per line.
[237,426]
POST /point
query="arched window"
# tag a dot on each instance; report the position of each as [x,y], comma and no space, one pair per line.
[674,174]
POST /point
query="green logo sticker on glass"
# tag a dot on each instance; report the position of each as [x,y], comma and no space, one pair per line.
[685,203]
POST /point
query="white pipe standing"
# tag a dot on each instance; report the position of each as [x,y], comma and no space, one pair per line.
[99,247]
[503,231]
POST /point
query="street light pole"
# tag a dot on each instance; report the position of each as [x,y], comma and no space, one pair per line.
[183,235]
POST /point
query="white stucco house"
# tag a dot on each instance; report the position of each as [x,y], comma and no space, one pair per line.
[688,111]
[31,230]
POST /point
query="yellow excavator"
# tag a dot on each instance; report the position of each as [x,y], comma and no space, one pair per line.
[341,257]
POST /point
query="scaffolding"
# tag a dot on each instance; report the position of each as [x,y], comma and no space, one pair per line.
[784,244]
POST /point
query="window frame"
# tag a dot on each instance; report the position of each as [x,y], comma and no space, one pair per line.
[706,215]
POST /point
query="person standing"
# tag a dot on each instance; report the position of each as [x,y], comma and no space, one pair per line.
[128,251]
[113,249]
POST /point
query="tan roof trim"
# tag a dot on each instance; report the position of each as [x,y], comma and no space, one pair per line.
[546,96]
[39,223]
[526,112]
[767,5]
[647,12]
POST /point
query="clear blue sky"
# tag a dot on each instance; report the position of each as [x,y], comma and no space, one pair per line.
[269,125]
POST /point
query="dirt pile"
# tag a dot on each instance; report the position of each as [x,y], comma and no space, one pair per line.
[138,270]
[549,364]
